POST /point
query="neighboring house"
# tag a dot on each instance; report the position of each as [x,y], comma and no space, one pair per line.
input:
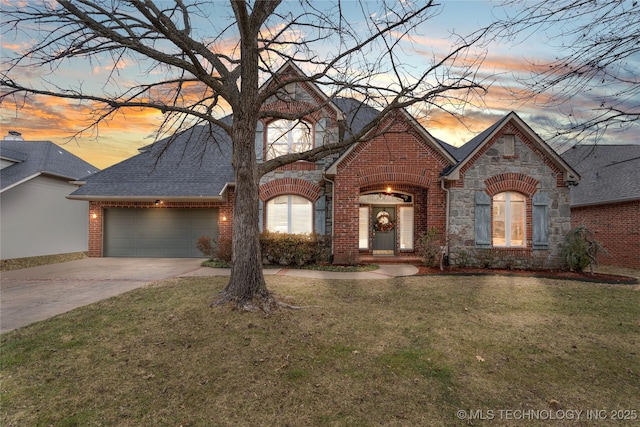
[505,192]
[36,218]
[607,201]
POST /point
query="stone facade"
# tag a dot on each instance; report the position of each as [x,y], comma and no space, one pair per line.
[527,172]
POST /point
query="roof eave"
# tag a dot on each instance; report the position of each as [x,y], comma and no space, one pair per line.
[21,181]
[94,198]
[606,202]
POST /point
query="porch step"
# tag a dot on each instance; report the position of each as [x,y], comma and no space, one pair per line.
[389,259]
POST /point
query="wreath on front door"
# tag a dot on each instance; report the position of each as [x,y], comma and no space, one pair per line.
[383,222]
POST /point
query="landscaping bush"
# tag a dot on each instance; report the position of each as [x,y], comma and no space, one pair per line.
[225,252]
[429,247]
[581,249]
[294,249]
[215,249]
[208,246]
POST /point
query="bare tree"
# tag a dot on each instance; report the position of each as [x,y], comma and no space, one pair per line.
[595,78]
[210,63]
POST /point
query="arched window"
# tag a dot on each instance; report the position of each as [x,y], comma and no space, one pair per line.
[288,136]
[290,214]
[508,220]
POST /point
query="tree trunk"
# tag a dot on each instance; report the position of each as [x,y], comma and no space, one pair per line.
[247,284]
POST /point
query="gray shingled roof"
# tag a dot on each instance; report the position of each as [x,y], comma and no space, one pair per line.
[191,166]
[33,158]
[463,151]
[357,114]
[610,173]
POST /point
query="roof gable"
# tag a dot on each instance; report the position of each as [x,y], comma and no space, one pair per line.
[469,152]
[34,158]
[299,78]
[370,114]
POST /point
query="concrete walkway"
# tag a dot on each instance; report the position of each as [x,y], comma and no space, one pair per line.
[38,293]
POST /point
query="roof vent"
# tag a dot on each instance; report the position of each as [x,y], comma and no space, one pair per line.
[14,136]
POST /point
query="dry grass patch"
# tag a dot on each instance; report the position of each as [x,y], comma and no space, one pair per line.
[35,261]
[407,351]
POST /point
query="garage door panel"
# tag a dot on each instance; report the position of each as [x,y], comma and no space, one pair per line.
[165,232]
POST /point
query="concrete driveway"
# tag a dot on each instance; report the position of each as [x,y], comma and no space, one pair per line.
[38,293]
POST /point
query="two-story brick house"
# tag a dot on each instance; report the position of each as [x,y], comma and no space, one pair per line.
[505,191]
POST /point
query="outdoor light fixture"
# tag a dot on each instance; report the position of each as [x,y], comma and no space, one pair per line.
[389,189]
[224,217]
[157,202]
[94,216]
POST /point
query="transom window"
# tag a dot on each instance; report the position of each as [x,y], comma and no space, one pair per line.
[508,228]
[290,214]
[288,136]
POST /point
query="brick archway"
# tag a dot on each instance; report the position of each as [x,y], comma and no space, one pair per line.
[295,186]
[393,174]
[511,182]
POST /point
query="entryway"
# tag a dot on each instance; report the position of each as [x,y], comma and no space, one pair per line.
[383,219]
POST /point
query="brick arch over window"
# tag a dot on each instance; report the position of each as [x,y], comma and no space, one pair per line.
[511,182]
[393,174]
[295,186]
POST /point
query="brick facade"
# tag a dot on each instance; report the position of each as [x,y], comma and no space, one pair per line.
[400,159]
[617,227]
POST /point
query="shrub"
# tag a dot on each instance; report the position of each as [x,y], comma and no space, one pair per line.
[486,258]
[429,247]
[207,245]
[215,249]
[294,249]
[581,249]
[224,252]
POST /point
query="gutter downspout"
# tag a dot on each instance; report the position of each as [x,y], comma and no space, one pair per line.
[333,218]
[445,251]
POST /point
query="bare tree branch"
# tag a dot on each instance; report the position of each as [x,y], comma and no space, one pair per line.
[201,69]
[595,77]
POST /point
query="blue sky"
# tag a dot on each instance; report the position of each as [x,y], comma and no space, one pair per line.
[56,120]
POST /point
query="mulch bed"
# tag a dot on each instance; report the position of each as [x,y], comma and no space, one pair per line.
[549,274]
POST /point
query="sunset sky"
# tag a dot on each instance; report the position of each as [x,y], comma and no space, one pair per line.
[57,120]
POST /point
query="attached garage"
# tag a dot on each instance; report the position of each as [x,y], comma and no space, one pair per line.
[157,232]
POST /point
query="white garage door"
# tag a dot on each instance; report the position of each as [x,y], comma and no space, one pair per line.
[161,233]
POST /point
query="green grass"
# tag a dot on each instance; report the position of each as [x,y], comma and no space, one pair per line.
[407,351]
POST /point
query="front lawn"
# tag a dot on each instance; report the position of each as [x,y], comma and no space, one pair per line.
[429,351]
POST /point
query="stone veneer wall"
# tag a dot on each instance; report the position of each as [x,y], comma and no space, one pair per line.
[490,163]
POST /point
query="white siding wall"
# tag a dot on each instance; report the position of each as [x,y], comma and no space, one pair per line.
[36,219]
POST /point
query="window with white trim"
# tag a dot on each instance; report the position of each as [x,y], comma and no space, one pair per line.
[405,222]
[290,214]
[508,220]
[363,229]
[288,136]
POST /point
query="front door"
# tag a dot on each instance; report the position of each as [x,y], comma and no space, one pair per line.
[384,230]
